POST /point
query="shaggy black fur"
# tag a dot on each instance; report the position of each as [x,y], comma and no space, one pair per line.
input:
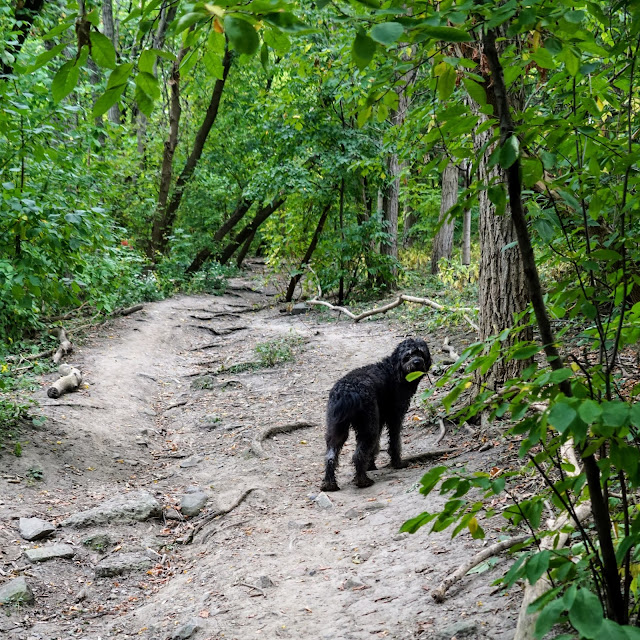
[367,399]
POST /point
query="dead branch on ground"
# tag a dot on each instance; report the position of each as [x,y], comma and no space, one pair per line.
[392,305]
[256,445]
[439,593]
[441,431]
[454,356]
[427,455]
[127,311]
[70,380]
[65,347]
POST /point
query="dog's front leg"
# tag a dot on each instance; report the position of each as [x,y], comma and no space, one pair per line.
[395,446]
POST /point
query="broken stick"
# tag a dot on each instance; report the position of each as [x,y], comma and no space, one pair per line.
[65,347]
[256,445]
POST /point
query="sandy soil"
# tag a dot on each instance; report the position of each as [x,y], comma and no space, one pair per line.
[156,414]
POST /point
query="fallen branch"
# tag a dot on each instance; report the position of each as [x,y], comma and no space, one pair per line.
[256,445]
[65,347]
[206,519]
[439,593]
[71,379]
[126,311]
[441,432]
[392,305]
[454,356]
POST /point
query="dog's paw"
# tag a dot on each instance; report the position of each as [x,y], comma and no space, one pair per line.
[399,464]
[329,486]
[364,482]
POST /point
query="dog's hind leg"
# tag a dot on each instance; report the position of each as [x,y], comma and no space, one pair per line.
[336,437]
[367,447]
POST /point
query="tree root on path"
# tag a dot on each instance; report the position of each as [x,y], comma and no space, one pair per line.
[65,347]
[70,381]
[256,445]
[206,519]
[438,594]
[428,455]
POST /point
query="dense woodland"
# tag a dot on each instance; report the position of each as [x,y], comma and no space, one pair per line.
[360,148]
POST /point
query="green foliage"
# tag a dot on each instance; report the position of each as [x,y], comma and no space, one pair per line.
[278,351]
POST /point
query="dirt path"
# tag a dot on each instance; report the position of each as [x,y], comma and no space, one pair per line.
[157,416]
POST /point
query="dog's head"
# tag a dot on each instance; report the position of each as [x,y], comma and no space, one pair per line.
[411,355]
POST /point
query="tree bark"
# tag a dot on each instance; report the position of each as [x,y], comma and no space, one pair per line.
[310,249]
[466,223]
[25,13]
[261,215]
[245,249]
[167,215]
[109,30]
[443,242]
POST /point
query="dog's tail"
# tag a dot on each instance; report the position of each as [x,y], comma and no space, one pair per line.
[343,407]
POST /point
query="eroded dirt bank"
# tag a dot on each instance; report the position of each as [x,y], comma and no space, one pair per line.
[157,416]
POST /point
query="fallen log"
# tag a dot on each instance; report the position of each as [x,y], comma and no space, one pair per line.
[70,380]
[65,347]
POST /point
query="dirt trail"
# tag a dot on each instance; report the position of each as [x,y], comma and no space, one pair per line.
[156,415]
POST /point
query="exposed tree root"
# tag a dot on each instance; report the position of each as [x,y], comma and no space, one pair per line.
[392,305]
[427,455]
[438,594]
[256,445]
[442,431]
[206,519]
[126,311]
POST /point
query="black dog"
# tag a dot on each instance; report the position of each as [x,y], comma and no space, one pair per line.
[367,399]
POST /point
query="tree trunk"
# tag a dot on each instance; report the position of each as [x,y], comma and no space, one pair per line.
[245,249]
[24,15]
[409,219]
[466,222]
[443,242]
[310,249]
[163,223]
[261,215]
[109,31]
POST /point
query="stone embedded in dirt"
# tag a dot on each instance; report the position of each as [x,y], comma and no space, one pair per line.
[374,506]
[353,583]
[186,630]
[299,309]
[16,591]
[98,541]
[191,462]
[129,507]
[323,501]
[265,582]
[50,552]
[458,630]
[35,528]
[172,514]
[193,501]
[396,537]
[122,563]
[353,513]
[299,524]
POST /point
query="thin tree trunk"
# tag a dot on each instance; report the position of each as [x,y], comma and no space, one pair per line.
[167,215]
[261,215]
[310,249]
[25,13]
[245,249]
[166,171]
[241,209]
[109,30]
[341,216]
[466,223]
[443,242]
[599,507]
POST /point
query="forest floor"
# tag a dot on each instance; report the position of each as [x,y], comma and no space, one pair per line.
[167,405]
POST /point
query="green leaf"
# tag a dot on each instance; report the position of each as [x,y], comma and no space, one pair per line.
[524,353]
[144,101]
[589,411]
[615,413]
[102,50]
[363,49]
[414,375]
[107,100]
[562,415]
[498,197]
[148,83]
[430,479]
[65,80]
[445,34]
[119,75]
[147,60]
[509,152]
[43,58]
[537,565]
[548,617]
[286,21]
[475,90]
[446,82]
[387,33]
[531,171]
[412,525]
[586,614]
[242,35]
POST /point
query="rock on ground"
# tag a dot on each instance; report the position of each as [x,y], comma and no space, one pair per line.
[136,506]
[16,591]
[121,564]
[35,528]
[50,552]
